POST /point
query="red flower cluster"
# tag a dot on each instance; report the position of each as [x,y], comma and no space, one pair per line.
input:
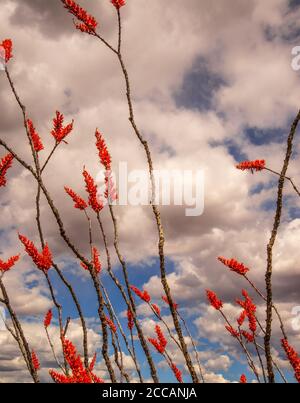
[144,295]
[7,46]
[6,266]
[79,202]
[79,373]
[95,262]
[48,319]
[234,265]
[35,361]
[42,260]
[88,23]
[241,319]
[248,336]
[60,132]
[130,323]
[5,164]
[93,362]
[293,357]
[165,299]
[257,165]
[36,140]
[111,324]
[214,301]
[243,379]
[118,3]
[104,155]
[156,309]
[92,191]
[160,343]
[234,333]
[250,310]
[177,373]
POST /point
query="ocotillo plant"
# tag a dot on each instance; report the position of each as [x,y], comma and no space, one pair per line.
[172,344]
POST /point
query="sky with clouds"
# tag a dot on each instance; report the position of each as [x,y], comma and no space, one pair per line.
[212,85]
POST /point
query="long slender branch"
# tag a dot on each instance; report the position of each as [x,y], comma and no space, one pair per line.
[287,178]
[270,247]
[129,302]
[19,333]
[155,208]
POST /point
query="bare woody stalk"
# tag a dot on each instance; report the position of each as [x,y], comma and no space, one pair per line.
[115,318]
[39,172]
[102,303]
[155,209]
[129,301]
[19,335]
[116,344]
[270,246]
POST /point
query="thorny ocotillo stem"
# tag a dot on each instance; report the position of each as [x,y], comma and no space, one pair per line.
[37,175]
[61,226]
[155,208]
[129,302]
[101,304]
[114,317]
[194,346]
[270,247]
[60,322]
[115,342]
[19,334]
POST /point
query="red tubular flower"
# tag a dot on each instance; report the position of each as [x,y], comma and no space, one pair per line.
[160,343]
[234,333]
[118,3]
[60,132]
[59,378]
[177,373]
[48,319]
[165,299]
[111,324]
[104,155]
[250,309]
[5,165]
[87,23]
[144,295]
[79,373]
[257,165]
[293,358]
[242,318]
[7,46]
[95,262]
[42,260]
[234,265]
[6,266]
[214,301]
[156,309]
[243,379]
[130,323]
[35,361]
[248,336]
[93,363]
[36,140]
[80,204]
[92,191]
